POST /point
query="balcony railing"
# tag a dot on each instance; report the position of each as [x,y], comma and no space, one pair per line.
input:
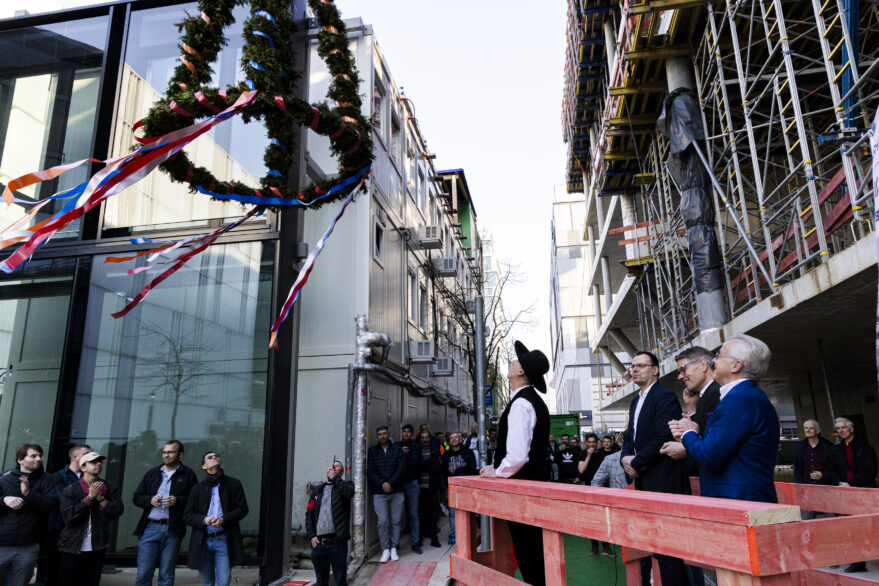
[745,542]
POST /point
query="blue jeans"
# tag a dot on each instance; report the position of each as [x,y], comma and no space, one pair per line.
[411,490]
[157,546]
[215,561]
[451,522]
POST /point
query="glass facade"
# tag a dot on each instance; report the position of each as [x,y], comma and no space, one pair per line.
[191,362]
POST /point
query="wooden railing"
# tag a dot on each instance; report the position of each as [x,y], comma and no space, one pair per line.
[745,542]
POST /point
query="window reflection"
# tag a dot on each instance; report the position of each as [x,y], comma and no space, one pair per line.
[34,303]
[189,363]
[49,80]
[232,150]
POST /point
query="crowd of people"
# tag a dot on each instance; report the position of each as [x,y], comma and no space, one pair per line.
[66,516]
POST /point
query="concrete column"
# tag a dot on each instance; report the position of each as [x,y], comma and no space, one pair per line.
[623,340]
[605,280]
[590,241]
[599,211]
[627,207]
[610,44]
[612,358]
[710,304]
[596,306]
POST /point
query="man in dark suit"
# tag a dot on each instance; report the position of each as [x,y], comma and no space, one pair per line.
[738,453]
[701,397]
[522,445]
[646,433]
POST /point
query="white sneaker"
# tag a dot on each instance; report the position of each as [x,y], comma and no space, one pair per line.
[394,556]
[386,556]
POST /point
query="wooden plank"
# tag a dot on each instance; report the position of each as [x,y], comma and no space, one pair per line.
[634,226]
[633,573]
[677,505]
[814,544]
[714,543]
[659,5]
[502,546]
[818,577]
[828,499]
[469,573]
[403,574]
[658,52]
[465,544]
[730,578]
[554,558]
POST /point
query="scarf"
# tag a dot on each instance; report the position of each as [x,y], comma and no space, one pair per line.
[214,479]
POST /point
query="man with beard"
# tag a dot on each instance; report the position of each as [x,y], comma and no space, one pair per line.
[457,461]
[411,463]
[28,495]
[216,505]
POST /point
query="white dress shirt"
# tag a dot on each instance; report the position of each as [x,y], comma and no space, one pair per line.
[642,396]
[521,421]
[723,392]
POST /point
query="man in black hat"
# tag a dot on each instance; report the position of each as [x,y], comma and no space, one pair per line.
[522,444]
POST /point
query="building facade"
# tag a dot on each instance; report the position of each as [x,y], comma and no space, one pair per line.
[777,240]
[192,362]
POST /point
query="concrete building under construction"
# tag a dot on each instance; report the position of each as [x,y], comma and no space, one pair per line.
[723,150]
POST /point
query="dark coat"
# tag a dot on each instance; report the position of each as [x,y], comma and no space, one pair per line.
[76,509]
[656,472]
[738,455]
[708,402]
[829,475]
[234,505]
[411,461]
[181,485]
[463,460]
[865,464]
[343,490]
[62,478]
[25,526]
[433,466]
[386,466]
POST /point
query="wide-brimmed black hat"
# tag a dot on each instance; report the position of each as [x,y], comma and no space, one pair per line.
[534,363]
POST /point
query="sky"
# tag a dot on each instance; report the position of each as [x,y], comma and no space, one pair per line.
[486,79]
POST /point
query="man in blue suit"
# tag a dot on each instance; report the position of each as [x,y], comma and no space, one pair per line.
[647,432]
[738,453]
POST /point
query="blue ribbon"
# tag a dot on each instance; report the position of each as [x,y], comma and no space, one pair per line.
[275,172]
[265,14]
[256,65]
[280,201]
[250,84]
[278,143]
[268,38]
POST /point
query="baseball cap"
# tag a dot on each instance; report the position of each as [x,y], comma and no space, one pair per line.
[90,457]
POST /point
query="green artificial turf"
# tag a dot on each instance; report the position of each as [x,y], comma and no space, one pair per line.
[585,570]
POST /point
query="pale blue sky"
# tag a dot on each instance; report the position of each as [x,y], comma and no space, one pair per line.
[486,78]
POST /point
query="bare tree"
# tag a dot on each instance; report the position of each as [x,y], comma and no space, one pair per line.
[176,366]
[456,329]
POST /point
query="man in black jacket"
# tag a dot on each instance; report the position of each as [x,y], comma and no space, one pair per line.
[411,462]
[215,507]
[47,571]
[429,474]
[814,460]
[326,526]
[457,461]
[384,472]
[162,494]
[855,466]
[87,507]
[28,495]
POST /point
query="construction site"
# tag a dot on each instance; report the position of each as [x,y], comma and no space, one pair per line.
[723,150]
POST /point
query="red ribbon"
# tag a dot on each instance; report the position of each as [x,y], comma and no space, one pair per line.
[331,29]
[355,147]
[206,18]
[338,133]
[189,174]
[189,65]
[204,102]
[281,106]
[274,190]
[173,105]
[223,95]
[144,140]
[192,51]
[315,119]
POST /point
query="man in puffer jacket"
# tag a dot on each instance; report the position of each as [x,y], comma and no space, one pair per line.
[28,494]
[87,508]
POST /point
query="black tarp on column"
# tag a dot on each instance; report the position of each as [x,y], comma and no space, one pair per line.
[681,123]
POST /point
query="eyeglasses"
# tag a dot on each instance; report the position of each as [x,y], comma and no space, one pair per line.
[683,368]
[638,366]
[718,356]
[212,457]
[170,453]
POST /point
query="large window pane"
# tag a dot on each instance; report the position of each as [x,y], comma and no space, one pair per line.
[34,303]
[188,363]
[232,150]
[49,80]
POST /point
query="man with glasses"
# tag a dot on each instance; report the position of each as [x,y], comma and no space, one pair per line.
[738,453]
[162,494]
[647,431]
[814,460]
[701,396]
[215,507]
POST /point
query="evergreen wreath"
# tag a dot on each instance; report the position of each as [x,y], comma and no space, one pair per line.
[267,62]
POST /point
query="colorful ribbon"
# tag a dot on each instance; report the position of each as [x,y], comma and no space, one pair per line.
[306,269]
[268,38]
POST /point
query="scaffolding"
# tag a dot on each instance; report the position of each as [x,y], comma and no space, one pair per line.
[787,91]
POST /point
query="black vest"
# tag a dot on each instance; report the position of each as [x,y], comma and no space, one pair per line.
[535,468]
